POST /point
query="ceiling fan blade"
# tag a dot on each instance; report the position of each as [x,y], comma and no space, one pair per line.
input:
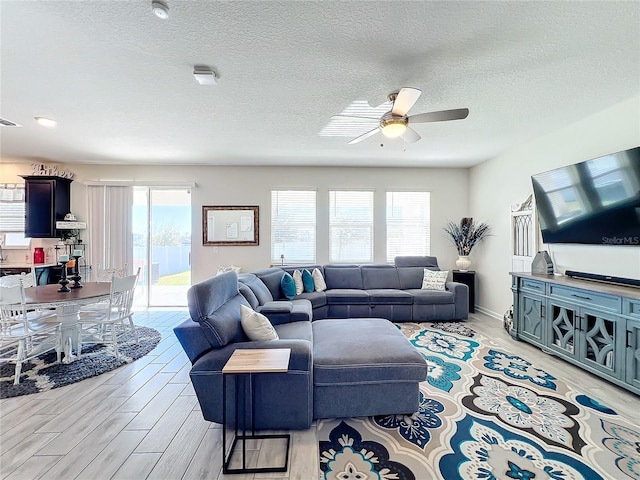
[405,99]
[440,116]
[355,119]
[364,136]
[410,135]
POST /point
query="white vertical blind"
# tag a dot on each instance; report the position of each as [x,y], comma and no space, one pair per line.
[110,227]
[350,226]
[408,224]
[293,226]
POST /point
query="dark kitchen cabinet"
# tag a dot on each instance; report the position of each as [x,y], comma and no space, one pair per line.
[47,200]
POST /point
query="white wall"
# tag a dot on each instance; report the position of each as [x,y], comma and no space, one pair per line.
[505,180]
[252,185]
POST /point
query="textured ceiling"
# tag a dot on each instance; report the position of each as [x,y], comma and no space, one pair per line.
[119,80]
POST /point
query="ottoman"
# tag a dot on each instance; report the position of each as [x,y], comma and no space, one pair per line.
[364,367]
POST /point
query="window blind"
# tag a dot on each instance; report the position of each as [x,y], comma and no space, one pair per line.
[350,226]
[408,224]
[12,208]
[293,226]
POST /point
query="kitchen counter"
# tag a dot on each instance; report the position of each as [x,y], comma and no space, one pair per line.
[24,265]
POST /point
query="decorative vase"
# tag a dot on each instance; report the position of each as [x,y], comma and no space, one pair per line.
[463,263]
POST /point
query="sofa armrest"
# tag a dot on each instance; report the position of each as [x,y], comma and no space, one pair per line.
[461,298]
[282,311]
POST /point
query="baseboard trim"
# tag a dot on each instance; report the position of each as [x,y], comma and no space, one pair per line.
[489,313]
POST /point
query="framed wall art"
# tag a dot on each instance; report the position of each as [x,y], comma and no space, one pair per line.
[230,225]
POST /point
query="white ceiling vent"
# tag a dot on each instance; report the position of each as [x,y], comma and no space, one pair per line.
[8,123]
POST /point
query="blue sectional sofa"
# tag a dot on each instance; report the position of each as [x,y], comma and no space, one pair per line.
[337,368]
[356,291]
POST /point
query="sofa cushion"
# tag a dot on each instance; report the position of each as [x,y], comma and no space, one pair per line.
[318,280]
[257,286]
[215,304]
[297,279]
[317,299]
[307,281]
[379,276]
[256,326]
[288,286]
[411,270]
[248,294]
[431,297]
[434,280]
[343,276]
[271,278]
[295,331]
[363,351]
[389,296]
[347,296]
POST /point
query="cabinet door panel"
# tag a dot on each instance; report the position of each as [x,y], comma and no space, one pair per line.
[563,327]
[633,353]
[39,199]
[530,319]
[601,338]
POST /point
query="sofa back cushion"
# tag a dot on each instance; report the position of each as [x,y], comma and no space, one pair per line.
[379,276]
[215,305]
[257,286]
[248,294]
[343,276]
[411,270]
[271,278]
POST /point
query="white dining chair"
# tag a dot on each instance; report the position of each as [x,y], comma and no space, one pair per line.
[26,279]
[105,325]
[23,338]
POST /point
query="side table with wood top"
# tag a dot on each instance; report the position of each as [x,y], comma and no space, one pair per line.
[245,364]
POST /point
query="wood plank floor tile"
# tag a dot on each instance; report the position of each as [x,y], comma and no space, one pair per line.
[113,456]
[155,409]
[137,466]
[178,454]
[160,436]
[34,467]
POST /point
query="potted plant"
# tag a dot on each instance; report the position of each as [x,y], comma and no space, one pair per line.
[465,235]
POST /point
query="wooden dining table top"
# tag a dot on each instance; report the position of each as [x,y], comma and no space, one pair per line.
[50,293]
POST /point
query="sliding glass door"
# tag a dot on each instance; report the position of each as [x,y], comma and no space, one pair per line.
[162,244]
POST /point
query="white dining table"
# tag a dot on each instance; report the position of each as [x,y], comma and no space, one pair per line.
[67,306]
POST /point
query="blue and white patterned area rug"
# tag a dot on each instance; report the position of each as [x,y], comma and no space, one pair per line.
[484,415]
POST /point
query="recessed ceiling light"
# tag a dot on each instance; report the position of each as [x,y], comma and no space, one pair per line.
[160,9]
[46,122]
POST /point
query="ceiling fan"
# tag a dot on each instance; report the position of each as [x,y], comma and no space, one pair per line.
[395,123]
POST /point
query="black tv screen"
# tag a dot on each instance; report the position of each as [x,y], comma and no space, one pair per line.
[594,202]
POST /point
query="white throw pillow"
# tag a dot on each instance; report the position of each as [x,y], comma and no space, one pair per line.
[434,279]
[256,326]
[297,279]
[318,280]
[224,269]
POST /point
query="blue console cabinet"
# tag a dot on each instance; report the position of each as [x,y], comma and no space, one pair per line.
[593,325]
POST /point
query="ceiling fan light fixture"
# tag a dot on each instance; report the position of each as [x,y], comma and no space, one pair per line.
[394,128]
[46,122]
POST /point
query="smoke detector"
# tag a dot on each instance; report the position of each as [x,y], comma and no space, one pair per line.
[204,75]
[160,9]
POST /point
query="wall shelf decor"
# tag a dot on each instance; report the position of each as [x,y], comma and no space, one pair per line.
[230,225]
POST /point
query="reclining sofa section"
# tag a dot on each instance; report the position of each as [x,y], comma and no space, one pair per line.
[385,291]
[337,368]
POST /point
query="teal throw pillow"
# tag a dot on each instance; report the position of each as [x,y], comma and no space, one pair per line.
[307,281]
[288,286]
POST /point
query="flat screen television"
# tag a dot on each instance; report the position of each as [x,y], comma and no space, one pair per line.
[595,202]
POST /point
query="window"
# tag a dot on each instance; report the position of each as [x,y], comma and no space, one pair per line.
[350,226]
[408,224]
[293,226]
[12,215]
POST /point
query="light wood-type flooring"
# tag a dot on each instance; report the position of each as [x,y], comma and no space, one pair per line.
[142,421]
